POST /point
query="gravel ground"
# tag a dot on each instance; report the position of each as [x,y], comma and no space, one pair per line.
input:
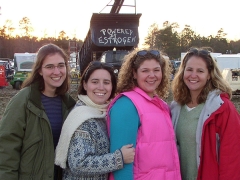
[6,93]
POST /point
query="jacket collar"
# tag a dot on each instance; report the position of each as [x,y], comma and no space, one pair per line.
[35,97]
[143,93]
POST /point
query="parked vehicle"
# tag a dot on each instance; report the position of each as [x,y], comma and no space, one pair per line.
[10,76]
[8,59]
[75,75]
[115,58]
[214,55]
[175,65]
[232,76]
[3,80]
[109,38]
[231,61]
[23,63]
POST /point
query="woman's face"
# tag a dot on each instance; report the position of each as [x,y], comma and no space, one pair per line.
[196,75]
[99,86]
[149,76]
[53,72]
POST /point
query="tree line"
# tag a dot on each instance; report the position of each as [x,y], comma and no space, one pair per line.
[171,42]
[166,39]
[26,42]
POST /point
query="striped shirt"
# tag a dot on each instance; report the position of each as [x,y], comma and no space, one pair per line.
[53,109]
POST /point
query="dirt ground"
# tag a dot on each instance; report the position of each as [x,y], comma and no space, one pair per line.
[6,93]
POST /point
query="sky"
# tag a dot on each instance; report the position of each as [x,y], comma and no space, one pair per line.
[205,17]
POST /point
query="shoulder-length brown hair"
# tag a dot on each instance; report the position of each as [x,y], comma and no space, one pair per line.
[181,93]
[43,52]
[132,62]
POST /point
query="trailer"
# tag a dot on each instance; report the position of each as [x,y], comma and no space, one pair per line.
[23,63]
[110,37]
[231,61]
[232,76]
[214,55]
[109,34]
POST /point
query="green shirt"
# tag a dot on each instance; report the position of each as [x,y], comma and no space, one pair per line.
[186,138]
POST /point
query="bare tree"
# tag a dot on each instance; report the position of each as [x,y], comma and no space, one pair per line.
[62,35]
[26,26]
[221,33]
[150,40]
[9,28]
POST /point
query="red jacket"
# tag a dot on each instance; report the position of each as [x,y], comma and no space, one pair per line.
[224,165]
[218,139]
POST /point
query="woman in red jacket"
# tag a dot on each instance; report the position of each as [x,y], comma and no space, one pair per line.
[206,123]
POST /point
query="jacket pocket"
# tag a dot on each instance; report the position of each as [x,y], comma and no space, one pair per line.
[153,174]
[30,157]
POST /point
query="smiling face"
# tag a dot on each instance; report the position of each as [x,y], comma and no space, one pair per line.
[148,76]
[195,75]
[99,86]
[53,78]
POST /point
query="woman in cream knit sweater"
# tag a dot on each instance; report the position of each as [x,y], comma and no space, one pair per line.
[83,147]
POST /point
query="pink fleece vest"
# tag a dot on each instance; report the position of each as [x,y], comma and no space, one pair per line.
[156,152]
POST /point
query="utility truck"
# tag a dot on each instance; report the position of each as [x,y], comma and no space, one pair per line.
[110,37]
[23,63]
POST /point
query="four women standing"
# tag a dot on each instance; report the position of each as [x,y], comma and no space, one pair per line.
[206,123]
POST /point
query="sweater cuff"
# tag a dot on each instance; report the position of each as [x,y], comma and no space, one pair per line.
[119,159]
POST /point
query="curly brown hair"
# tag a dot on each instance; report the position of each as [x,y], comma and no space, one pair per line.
[131,64]
[181,93]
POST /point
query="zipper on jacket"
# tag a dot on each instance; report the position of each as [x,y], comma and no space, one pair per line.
[217,146]
[40,148]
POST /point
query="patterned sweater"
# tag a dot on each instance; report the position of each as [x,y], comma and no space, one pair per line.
[88,153]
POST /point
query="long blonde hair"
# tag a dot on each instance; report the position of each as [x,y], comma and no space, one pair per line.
[181,93]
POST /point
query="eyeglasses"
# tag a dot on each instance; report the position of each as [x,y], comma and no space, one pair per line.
[198,52]
[144,52]
[51,67]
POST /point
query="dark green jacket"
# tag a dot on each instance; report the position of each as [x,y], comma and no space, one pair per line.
[26,142]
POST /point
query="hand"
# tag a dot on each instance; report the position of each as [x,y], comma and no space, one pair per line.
[128,152]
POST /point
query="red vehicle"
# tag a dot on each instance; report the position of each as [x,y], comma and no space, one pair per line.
[3,80]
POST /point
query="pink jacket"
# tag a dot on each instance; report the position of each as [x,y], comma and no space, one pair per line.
[156,153]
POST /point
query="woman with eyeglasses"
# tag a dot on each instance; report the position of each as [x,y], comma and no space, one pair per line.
[83,147]
[139,115]
[32,121]
[206,123]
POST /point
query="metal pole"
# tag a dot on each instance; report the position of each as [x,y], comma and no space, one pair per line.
[135,7]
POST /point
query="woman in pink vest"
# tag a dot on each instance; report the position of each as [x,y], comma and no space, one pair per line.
[139,116]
